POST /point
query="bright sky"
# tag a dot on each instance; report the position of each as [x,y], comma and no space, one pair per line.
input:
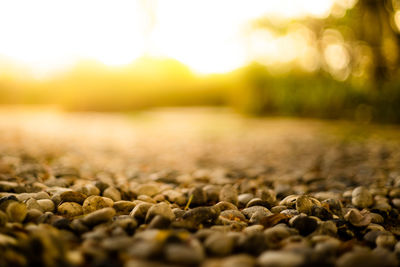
[206,35]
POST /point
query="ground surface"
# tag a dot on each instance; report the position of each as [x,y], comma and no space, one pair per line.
[189,160]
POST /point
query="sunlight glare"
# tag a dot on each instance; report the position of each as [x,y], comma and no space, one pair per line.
[205,35]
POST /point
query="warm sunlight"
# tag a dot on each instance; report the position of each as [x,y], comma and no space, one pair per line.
[208,36]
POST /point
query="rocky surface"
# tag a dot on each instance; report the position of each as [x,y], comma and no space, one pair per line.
[196,190]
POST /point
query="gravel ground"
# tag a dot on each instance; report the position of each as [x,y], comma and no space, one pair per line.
[196,187]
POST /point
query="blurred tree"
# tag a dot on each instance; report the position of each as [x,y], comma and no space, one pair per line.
[375,25]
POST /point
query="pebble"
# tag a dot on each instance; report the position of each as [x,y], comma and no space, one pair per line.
[113,193]
[361,197]
[304,224]
[99,216]
[3,218]
[32,203]
[91,190]
[73,196]
[212,193]
[175,197]
[70,209]
[357,218]
[191,254]
[123,206]
[201,215]
[249,212]
[161,209]
[280,259]
[16,212]
[94,203]
[46,204]
[258,202]
[243,199]
[197,196]
[304,205]
[140,210]
[229,193]
[366,258]
[147,189]
[386,240]
[219,244]
[239,260]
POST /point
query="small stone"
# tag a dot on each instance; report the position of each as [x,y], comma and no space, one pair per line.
[94,203]
[376,218]
[290,212]
[147,189]
[223,205]
[361,197]
[140,210]
[16,212]
[304,204]
[304,224]
[239,260]
[334,205]
[243,199]
[233,215]
[46,204]
[146,199]
[396,202]
[249,212]
[161,209]
[33,215]
[327,228]
[280,259]
[197,196]
[257,228]
[358,219]
[3,218]
[70,209]
[229,193]
[61,223]
[113,193]
[278,209]
[289,201]
[321,212]
[212,193]
[175,197]
[201,215]
[6,186]
[366,258]
[73,196]
[91,190]
[33,204]
[191,254]
[99,216]
[101,186]
[386,240]
[219,244]
[258,202]
[267,195]
[123,206]
[159,222]
[277,233]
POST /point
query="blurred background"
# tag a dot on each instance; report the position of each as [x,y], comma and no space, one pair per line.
[333,59]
